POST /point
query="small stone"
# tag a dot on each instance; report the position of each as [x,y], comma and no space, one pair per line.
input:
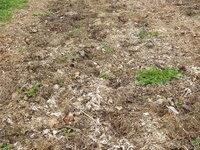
[119,107]
[183,68]
[57,114]
[77,74]
[15,96]
[146,114]
[52,102]
[69,118]
[60,72]
[149,44]
[33,30]
[52,122]
[160,101]
[56,86]
[55,132]
[9,121]
[187,107]
[27,41]
[46,131]
[82,53]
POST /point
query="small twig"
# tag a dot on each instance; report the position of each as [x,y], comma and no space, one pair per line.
[85,113]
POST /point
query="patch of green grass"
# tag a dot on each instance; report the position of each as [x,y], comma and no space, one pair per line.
[7,6]
[196,143]
[107,49]
[68,131]
[4,146]
[30,92]
[22,50]
[144,34]
[77,31]
[179,104]
[154,75]
[105,76]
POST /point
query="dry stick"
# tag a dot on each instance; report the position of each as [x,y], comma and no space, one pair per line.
[88,115]
[85,113]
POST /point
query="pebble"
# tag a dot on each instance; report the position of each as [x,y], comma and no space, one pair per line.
[69,118]
[119,107]
[56,86]
[46,131]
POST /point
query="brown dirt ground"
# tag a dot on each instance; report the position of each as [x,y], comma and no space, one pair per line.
[65,45]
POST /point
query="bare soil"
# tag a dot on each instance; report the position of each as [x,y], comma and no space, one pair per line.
[65,46]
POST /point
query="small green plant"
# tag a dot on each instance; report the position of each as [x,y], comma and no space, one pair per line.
[7,6]
[179,104]
[60,82]
[67,131]
[76,31]
[154,75]
[30,92]
[144,34]
[4,146]
[107,49]
[22,50]
[104,75]
[196,143]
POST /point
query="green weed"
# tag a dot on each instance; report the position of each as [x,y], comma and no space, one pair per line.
[105,76]
[144,34]
[67,131]
[154,75]
[60,82]
[7,6]
[77,31]
[196,143]
[5,146]
[22,50]
[179,104]
[107,49]
[30,92]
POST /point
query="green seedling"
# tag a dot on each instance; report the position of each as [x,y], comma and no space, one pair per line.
[5,146]
[30,92]
[154,75]
[22,50]
[104,75]
[196,143]
[68,131]
[179,104]
[76,31]
[107,49]
[144,34]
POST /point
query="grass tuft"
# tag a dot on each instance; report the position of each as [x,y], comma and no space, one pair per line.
[5,146]
[196,143]
[7,6]
[154,75]
[31,91]
[104,76]
[107,49]
[144,34]
[68,131]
